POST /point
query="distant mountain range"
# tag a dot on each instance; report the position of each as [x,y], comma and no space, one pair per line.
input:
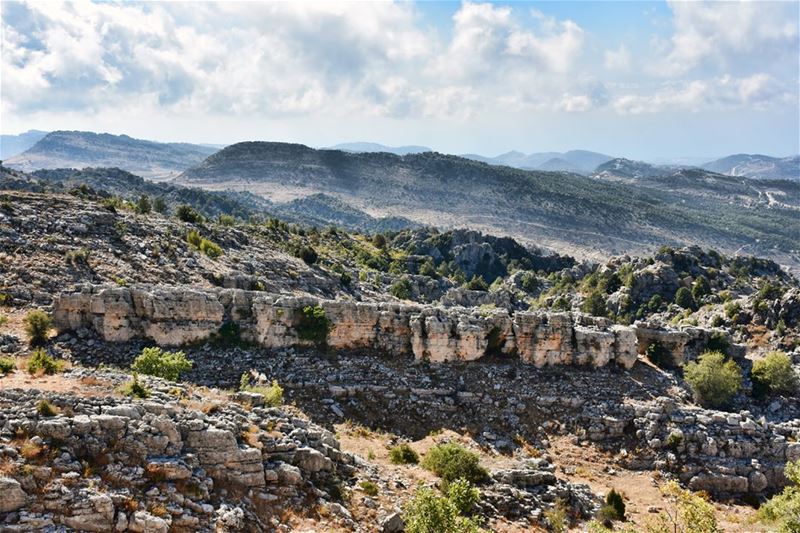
[757,166]
[577,161]
[81,149]
[375,147]
[563,211]
[11,145]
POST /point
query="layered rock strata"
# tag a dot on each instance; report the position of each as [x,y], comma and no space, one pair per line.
[175,316]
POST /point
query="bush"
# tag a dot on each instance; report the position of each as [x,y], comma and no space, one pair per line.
[451,461]
[477,283]
[463,495]
[159,205]
[209,248]
[46,409]
[427,512]
[775,374]
[783,510]
[683,297]
[226,220]
[41,362]
[401,289]
[557,517]
[143,205]
[718,342]
[37,325]
[403,454]
[713,380]
[308,255]
[166,365]
[193,238]
[369,488]
[187,213]
[687,512]
[529,282]
[314,326]
[700,288]
[657,354]
[134,388]
[379,241]
[594,304]
[273,394]
[6,365]
[614,509]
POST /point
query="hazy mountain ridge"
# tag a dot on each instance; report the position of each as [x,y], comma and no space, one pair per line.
[757,166]
[11,145]
[564,211]
[77,149]
[578,161]
[375,147]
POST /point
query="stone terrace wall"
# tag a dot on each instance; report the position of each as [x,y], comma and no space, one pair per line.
[173,316]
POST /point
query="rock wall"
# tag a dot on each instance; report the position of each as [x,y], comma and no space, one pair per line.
[173,316]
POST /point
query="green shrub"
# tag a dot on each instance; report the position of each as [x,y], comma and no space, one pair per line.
[463,495]
[654,304]
[686,512]
[783,510]
[557,517]
[6,365]
[451,461]
[683,297]
[713,380]
[403,454]
[273,393]
[46,409]
[313,325]
[187,213]
[159,205]
[700,288]
[209,248]
[134,388]
[594,304]
[307,254]
[226,220]
[42,362]
[369,488]
[193,238]
[529,282]
[143,205]
[657,354]
[379,241]
[718,342]
[477,283]
[401,289]
[775,374]
[614,509]
[37,326]
[166,365]
[427,512]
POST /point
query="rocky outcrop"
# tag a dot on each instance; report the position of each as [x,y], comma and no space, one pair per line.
[178,316]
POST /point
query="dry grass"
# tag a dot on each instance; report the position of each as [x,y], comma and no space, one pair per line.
[251,436]
[30,450]
[8,467]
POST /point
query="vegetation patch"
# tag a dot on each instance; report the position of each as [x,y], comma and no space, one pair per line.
[713,379]
[774,374]
[451,461]
[42,363]
[158,363]
[37,326]
[313,325]
[403,454]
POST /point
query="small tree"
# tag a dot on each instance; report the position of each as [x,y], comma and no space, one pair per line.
[775,374]
[700,288]
[428,512]
[477,283]
[685,512]
[187,213]
[37,326]
[313,325]
[403,454]
[683,297]
[379,241]
[143,205]
[159,205]
[713,380]
[308,255]
[166,365]
[614,509]
[594,304]
[401,289]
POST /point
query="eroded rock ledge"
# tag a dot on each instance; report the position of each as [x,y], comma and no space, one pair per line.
[172,316]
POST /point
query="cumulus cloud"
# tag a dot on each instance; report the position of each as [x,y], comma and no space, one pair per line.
[729,34]
[382,59]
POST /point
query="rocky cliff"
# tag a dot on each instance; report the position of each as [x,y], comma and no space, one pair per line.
[176,316]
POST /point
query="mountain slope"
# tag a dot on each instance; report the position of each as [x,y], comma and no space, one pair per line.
[11,145]
[77,149]
[579,161]
[757,166]
[564,211]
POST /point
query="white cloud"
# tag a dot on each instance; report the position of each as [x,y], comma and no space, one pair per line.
[728,34]
[619,59]
[724,92]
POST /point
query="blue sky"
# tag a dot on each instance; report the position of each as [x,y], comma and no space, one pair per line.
[635,79]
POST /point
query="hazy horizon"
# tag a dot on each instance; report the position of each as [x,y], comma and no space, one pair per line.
[651,80]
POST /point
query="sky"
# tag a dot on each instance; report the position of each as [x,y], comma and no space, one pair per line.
[644,80]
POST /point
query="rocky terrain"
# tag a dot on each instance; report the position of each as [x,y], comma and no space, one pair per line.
[79,149]
[757,166]
[316,352]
